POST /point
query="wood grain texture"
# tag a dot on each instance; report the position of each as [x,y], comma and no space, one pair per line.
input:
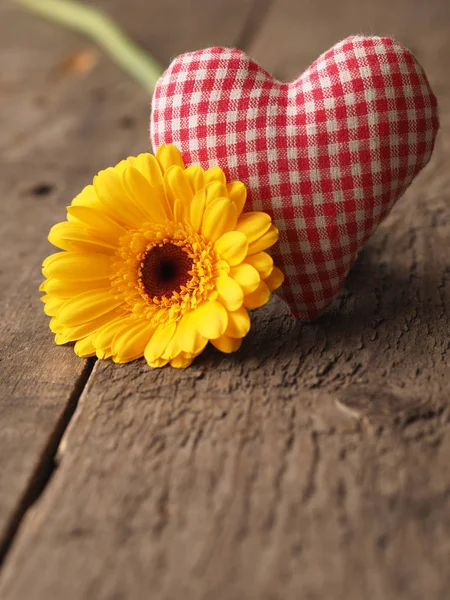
[58,126]
[314,463]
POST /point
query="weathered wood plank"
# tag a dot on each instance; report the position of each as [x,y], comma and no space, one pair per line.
[295,33]
[58,126]
[312,464]
[171,27]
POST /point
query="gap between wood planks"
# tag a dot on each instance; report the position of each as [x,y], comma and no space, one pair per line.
[48,461]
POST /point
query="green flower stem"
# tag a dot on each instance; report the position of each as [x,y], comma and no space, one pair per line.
[102,29]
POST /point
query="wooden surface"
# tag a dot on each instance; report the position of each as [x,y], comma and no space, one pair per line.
[314,463]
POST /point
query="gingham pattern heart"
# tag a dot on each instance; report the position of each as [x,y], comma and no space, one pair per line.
[327,155]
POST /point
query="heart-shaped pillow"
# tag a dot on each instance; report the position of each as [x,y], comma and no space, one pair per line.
[327,156]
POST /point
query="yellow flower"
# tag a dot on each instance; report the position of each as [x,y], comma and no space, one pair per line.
[158,259]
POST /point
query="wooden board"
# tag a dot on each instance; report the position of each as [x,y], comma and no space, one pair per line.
[60,122]
[312,464]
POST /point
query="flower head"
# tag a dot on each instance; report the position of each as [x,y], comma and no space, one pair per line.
[158,259]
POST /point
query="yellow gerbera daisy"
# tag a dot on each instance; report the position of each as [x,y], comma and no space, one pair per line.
[158,259]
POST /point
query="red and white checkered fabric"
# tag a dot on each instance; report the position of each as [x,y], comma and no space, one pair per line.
[326,156]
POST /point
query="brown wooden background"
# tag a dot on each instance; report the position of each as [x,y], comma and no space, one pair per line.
[313,464]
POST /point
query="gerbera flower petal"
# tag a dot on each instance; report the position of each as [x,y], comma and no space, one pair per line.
[197,210]
[275,279]
[84,348]
[211,320]
[156,263]
[87,197]
[87,306]
[265,241]
[230,293]
[246,276]
[80,267]
[215,174]
[196,176]
[149,167]
[159,341]
[138,189]
[109,187]
[52,305]
[158,363]
[189,339]
[257,298]
[220,216]
[55,326]
[182,361]
[123,164]
[60,340]
[71,334]
[227,344]
[253,225]
[105,335]
[237,192]
[178,185]
[172,349]
[131,339]
[169,155]
[215,190]
[158,196]
[232,247]
[76,238]
[178,210]
[66,288]
[262,262]
[238,323]
[105,227]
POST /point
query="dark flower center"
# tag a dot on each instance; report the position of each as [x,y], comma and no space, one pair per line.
[164,270]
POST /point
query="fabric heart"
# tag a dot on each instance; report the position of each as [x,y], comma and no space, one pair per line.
[327,155]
